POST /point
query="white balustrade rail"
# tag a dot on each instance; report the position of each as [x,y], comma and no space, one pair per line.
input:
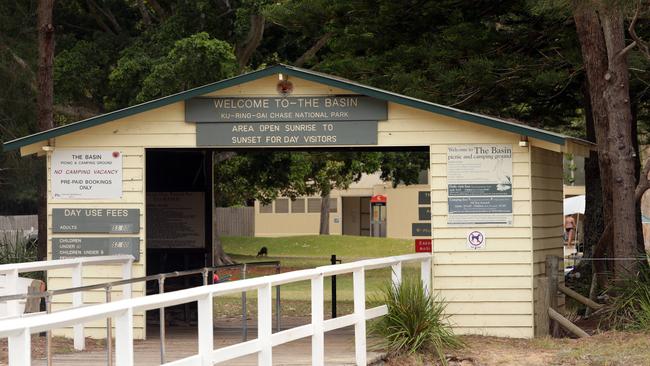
[11,272]
[19,330]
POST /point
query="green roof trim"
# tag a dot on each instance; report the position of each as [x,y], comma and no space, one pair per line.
[304,74]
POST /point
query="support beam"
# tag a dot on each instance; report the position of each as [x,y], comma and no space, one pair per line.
[566,323]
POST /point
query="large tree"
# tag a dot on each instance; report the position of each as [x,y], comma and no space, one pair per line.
[45,103]
[601,30]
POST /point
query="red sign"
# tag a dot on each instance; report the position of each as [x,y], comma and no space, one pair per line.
[423,245]
[380,198]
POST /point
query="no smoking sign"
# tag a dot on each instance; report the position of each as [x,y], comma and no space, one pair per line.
[476,240]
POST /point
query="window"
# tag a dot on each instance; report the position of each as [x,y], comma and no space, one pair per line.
[333,203]
[266,208]
[298,205]
[313,205]
[282,205]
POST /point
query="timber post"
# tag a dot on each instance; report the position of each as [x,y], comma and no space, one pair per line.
[552,269]
[542,305]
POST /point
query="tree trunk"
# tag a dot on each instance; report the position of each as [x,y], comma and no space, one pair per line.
[602,41]
[245,51]
[640,242]
[144,12]
[324,214]
[593,223]
[619,138]
[45,101]
[311,52]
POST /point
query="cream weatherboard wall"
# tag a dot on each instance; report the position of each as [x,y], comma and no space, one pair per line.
[489,291]
[132,197]
[402,210]
[547,200]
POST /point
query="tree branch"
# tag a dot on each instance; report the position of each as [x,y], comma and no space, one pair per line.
[98,18]
[108,14]
[146,18]
[643,46]
[245,51]
[644,183]
[311,52]
[162,13]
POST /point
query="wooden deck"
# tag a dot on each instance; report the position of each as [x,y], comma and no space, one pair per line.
[182,342]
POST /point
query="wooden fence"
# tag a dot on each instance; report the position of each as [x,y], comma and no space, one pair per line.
[235,221]
[14,227]
[21,222]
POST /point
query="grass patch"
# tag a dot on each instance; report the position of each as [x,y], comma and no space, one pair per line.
[302,252]
[344,246]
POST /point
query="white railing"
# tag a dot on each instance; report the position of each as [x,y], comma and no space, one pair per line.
[10,274]
[19,330]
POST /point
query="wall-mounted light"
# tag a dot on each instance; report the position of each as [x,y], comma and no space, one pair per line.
[48,148]
[280,77]
[523,141]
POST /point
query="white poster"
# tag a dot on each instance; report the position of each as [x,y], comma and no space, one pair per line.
[175,220]
[479,185]
[86,174]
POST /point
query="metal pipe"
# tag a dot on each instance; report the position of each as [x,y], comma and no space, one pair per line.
[109,331]
[333,260]
[244,314]
[48,309]
[161,312]
[130,281]
[205,276]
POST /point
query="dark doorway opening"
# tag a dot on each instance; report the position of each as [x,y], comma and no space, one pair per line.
[179,221]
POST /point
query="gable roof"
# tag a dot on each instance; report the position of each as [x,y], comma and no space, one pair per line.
[310,75]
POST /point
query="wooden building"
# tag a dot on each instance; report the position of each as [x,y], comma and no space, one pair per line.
[495,187]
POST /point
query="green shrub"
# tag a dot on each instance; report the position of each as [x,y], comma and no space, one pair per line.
[629,306]
[16,248]
[415,322]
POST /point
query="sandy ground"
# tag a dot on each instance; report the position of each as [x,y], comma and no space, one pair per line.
[609,348]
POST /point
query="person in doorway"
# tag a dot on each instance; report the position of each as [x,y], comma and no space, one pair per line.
[569,229]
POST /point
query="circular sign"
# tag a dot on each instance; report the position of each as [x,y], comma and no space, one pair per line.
[475,240]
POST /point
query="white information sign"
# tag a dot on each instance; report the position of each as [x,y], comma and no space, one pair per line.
[86,174]
[479,185]
[175,220]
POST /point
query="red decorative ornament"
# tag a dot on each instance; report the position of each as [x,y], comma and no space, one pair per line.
[116,154]
[284,87]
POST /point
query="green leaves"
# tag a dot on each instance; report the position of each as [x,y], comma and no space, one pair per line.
[415,322]
[193,61]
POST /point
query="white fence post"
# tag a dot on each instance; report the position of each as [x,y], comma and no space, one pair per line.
[13,306]
[396,274]
[359,286]
[126,274]
[77,301]
[206,330]
[317,310]
[20,348]
[124,338]
[264,325]
[425,274]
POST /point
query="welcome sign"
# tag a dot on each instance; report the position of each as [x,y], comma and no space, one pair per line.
[286,121]
[287,109]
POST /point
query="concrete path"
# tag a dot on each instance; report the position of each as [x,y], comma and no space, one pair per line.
[182,342]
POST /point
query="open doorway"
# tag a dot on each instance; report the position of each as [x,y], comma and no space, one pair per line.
[356,216]
[179,220]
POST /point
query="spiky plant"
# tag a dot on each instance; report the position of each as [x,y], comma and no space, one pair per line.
[415,322]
